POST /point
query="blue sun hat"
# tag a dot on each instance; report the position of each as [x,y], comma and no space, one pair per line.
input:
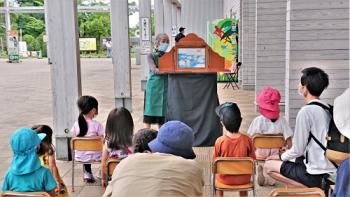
[176,138]
[23,143]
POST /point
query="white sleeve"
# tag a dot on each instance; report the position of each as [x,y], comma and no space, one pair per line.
[287,131]
[300,138]
[253,128]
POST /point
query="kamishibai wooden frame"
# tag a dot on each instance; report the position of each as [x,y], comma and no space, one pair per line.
[168,63]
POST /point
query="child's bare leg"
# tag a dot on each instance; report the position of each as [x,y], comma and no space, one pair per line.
[243,194]
[273,169]
[219,193]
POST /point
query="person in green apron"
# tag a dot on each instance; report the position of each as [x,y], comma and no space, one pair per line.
[156,88]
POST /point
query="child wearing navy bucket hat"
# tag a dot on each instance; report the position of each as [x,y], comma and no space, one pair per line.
[26,173]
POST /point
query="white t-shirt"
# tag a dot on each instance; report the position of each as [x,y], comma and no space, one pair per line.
[263,125]
[311,118]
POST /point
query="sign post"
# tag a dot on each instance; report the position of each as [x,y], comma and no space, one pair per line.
[12,46]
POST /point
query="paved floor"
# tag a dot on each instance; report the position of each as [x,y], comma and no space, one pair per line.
[25,100]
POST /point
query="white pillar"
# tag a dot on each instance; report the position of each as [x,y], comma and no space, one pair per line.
[167,20]
[178,16]
[158,16]
[271,45]
[247,37]
[65,68]
[174,22]
[145,38]
[7,16]
[121,53]
[311,43]
[47,31]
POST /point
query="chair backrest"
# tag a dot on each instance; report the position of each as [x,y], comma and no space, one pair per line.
[87,143]
[234,166]
[27,194]
[111,165]
[297,192]
[235,68]
[268,141]
[336,156]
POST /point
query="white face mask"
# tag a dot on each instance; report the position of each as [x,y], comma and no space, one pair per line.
[163,46]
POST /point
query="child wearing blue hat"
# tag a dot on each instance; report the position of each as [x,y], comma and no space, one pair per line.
[26,173]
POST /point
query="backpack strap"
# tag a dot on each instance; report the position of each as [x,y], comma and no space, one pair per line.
[311,136]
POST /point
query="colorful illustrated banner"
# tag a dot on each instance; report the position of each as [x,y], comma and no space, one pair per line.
[12,46]
[223,39]
[87,44]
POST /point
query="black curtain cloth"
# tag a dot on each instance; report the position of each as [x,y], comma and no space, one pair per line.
[192,99]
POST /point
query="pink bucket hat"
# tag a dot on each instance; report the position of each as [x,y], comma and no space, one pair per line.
[268,100]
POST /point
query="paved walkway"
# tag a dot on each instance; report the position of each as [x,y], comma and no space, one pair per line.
[25,100]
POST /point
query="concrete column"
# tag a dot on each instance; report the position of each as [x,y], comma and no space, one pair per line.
[158,16]
[7,16]
[317,35]
[47,31]
[178,16]
[145,41]
[247,37]
[65,68]
[168,20]
[174,22]
[270,44]
[121,53]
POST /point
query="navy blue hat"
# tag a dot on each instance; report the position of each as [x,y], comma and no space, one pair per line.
[181,28]
[176,138]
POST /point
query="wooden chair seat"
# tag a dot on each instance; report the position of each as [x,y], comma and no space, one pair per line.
[297,192]
[221,186]
[24,194]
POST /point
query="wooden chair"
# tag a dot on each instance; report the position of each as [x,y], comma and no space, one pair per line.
[85,144]
[233,166]
[336,156]
[111,165]
[268,141]
[297,192]
[26,194]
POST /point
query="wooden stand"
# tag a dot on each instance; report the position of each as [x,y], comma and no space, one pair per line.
[169,63]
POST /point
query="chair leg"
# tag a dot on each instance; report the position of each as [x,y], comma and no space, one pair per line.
[254,194]
[73,172]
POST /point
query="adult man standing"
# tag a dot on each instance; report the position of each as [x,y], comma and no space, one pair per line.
[168,171]
[180,35]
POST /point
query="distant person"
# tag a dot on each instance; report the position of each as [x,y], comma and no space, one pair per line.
[157,85]
[170,170]
[232,144]
[26,173]
[269,123]
[118,138]
[180,35]
[109,47]
[46,153]
[311,164]
[87,127]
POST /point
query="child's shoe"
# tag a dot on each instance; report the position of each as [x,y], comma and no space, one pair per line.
[88,177]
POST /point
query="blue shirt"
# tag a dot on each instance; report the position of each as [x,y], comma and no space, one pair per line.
[39,180]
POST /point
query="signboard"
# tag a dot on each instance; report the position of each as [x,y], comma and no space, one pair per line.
[87,44]
[12,46]
[173,31]
[145,29]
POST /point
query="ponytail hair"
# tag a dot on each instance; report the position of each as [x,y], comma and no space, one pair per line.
[85,105]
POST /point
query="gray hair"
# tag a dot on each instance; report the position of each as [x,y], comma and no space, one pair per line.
[156,42]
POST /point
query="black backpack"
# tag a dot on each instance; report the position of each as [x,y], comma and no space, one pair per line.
[335,140]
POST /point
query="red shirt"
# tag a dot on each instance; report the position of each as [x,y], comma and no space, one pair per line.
[241,146]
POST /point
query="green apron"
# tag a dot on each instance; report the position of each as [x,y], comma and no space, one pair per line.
[156,93]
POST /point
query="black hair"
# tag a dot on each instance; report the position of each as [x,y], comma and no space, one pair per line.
[46,143]
[231,118]
[119,128]
[85,105]
[142,138]
[315,80]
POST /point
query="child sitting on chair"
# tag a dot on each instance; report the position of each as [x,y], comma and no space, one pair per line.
[87,127]
[269,122]
[232,144]
[26,173]
[46,153]
[118,139]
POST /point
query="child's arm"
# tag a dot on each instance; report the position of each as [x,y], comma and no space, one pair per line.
[104,165]
[54,170]
[152,65]
[289,142]
[52,193]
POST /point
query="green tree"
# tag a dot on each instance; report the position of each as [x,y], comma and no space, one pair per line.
[23,3]
[32,43]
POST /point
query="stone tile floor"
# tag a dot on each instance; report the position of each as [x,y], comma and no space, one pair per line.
[25,100]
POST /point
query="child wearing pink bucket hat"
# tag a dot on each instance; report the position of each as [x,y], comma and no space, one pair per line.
[269,122]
